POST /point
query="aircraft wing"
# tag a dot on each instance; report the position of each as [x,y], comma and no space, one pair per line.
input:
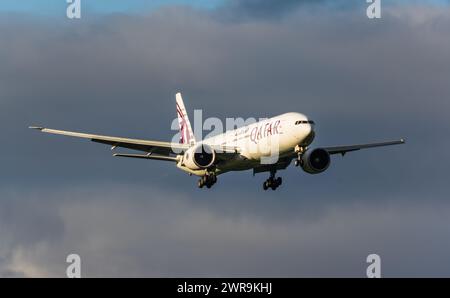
[161,149]
[344,149]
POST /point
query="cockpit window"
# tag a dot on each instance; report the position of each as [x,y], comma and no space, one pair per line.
[304,122]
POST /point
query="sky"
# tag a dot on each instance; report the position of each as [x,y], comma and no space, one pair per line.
[116,71]
[54,7]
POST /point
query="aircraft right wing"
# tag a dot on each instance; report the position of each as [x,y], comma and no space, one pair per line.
[160,149]
[344,149]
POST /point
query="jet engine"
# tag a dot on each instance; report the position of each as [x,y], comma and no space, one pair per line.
[315,161]
[199,157]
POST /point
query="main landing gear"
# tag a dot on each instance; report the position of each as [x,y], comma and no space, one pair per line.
[299,150]
[208,180]
[272,182]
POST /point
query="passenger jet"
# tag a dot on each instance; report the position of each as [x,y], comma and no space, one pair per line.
[265,146]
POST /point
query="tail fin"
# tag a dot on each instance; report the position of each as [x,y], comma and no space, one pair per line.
[186,133]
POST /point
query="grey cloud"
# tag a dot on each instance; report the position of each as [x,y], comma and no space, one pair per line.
[359,80]
[155,232]
[262,8]
[118,77]
[248,10]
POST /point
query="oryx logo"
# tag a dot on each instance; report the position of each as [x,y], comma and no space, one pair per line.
[184,134]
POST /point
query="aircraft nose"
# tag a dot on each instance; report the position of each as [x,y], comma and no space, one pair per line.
[307,128]
[309,134]
[311,127]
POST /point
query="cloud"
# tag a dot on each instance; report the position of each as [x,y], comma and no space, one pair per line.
[262,9]
[359,80]
[155,232]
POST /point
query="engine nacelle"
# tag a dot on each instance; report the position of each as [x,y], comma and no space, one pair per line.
[315,161]
[199,157]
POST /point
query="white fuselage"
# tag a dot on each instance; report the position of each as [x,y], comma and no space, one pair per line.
[276,137]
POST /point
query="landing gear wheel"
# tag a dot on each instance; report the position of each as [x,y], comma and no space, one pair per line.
[272,183]
[298,162]
[279,181]
[208,180]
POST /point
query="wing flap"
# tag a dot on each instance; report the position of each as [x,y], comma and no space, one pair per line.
[146,156]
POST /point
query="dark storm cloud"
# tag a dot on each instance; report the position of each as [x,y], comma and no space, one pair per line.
[275,10]
[246,9]
[158,232]
[360,80]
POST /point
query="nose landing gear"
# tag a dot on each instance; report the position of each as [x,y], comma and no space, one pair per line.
[208,180]
[272,182]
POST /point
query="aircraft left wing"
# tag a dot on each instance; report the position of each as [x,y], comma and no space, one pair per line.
[160,148]
[344,149]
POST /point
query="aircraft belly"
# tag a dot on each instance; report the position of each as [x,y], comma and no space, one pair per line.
[239,164]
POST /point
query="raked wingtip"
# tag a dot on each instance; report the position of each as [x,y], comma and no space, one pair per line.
[36,127]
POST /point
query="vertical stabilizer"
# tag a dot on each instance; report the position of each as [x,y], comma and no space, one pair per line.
[186,133]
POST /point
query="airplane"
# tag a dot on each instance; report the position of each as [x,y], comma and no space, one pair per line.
[243,148]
